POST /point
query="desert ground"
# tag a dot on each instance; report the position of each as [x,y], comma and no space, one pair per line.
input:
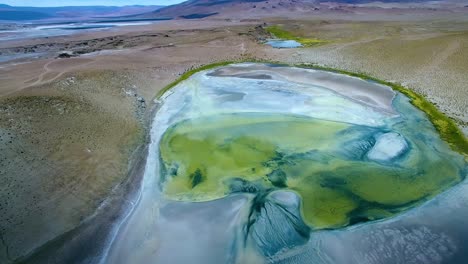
[73,131]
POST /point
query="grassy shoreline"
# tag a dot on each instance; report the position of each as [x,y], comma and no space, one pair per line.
[447,128]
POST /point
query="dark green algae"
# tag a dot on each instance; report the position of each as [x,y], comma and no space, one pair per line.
[322,161]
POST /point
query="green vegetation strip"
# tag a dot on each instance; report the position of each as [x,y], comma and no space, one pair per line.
[446,127]
[280,33]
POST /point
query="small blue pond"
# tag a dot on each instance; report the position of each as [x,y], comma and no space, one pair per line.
[280,43]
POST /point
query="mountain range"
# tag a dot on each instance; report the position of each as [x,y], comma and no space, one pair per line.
[20,13]
[194,9]
[260,8]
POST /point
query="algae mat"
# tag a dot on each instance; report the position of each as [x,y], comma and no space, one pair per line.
[349,148]
[260,163]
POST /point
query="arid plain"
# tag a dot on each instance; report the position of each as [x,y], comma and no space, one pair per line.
[73,130]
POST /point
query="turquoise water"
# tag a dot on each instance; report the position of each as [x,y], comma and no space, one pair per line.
[283,44]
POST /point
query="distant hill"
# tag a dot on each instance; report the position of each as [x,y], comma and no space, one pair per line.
[22,15]
[16,13]
[260,8]
[196,9]
[206,8]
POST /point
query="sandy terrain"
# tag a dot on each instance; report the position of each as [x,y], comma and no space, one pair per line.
[426,57]
[69,127]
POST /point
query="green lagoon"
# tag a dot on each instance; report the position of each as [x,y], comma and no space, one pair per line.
[261,163]
[344,172]
[211,157]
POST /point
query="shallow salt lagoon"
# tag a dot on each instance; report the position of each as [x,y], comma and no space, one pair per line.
[257,163]
[283,44]
[66,29]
